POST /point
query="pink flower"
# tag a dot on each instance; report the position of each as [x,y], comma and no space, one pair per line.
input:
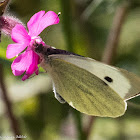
[28,60]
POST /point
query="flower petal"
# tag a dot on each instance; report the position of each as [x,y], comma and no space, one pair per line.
[14,49]
[40,21]
[21,63]
[28,62]
[33,67]
[20,35]
[34,22]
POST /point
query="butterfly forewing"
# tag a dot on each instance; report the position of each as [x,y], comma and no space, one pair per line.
[124,83]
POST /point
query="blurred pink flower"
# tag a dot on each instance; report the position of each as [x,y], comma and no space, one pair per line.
[28,60]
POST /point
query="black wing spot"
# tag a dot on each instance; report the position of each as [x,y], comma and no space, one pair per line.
[110,80]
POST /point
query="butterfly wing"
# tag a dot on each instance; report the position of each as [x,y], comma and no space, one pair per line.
[83,89]
[124,83]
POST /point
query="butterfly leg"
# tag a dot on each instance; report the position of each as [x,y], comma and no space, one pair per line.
[58,96]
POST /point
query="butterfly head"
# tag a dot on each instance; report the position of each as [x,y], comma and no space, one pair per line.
[38,48]
[42,49]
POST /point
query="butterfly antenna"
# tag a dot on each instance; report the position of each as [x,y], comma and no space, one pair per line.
[50,26]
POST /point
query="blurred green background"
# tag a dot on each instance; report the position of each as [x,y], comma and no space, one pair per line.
[84,27]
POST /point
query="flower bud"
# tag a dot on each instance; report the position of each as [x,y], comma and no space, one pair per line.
[7,23]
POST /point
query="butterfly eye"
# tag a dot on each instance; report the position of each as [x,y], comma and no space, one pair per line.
[48,50]
[38,48]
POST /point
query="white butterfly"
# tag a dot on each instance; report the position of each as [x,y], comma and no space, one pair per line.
[87,85]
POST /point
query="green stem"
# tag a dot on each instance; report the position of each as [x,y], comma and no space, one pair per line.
[67,23]
[78,120]
[8,105]
[113,37]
